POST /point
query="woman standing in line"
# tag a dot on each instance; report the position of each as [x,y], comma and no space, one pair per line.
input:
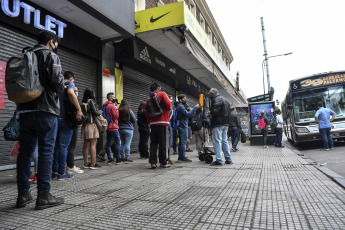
[126,129]
[264,130]
[144,131]
[89,131]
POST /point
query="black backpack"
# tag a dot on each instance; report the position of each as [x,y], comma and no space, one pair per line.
[22,77]
[196,122]
[154,105]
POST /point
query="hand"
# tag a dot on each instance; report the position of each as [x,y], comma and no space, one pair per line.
[197,106]
[79,115]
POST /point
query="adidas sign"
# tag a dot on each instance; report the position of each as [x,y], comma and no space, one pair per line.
[144,54]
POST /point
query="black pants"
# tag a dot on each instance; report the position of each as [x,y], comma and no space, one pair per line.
[144,144]
[264,135]
[158,138]
[71,148]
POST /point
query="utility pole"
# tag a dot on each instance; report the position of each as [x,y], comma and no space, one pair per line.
[265,54]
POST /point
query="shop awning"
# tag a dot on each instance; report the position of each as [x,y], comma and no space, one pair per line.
[108,20]
[173,31]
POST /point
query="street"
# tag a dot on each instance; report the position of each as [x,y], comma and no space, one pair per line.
[335,158]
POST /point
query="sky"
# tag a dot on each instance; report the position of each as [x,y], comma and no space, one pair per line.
[313,30]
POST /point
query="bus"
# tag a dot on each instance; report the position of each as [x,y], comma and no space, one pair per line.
[300,105]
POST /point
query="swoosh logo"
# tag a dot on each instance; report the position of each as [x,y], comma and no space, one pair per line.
[152,20]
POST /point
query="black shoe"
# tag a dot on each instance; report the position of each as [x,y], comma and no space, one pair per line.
[110,161]
[153,166]
[229,162]
[186,160]
[119,161]
[234,150]
[216,163]
[100,157]
[189,150]
[23,199]
[283,146]
[46,200]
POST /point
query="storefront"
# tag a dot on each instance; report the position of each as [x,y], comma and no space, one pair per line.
[81,49]
[142,65]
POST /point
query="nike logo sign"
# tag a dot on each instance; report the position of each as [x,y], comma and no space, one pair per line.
[152,20]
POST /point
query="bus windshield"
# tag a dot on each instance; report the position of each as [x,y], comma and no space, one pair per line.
[305,103]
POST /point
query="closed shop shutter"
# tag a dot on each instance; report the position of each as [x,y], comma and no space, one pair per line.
[136,88]
[12,42]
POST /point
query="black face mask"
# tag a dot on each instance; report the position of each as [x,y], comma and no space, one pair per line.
[55,50]
[114,100]
[184,102]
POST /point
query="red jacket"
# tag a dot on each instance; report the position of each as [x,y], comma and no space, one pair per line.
[113,114]
[163,119]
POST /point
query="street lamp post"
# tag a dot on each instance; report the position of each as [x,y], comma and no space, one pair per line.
[267,73]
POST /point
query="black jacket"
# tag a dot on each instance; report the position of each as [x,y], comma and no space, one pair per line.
[51,79]
[220,111]
[234,120]
[142,123]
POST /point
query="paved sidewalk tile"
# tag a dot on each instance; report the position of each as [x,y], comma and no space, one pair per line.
[264,189]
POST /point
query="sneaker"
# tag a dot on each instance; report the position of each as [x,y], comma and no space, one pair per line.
[31,178]
[186,160]
[229,162]
[189,150]
[265,147]
[234,150]
[64,176]
[326,149]
[23,199]
[87,166]
[153,166]
[216,163]
[100,157]
[332,148]
[110,161]
[164,166]
[35,179]
[96,166]
[129,160]
[119,161]
[54,175]
[46,200]
[75,169]
[283,146]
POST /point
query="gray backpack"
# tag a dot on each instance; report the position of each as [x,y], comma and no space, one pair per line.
[22,77]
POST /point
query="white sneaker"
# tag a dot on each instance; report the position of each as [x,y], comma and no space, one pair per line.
[73,170]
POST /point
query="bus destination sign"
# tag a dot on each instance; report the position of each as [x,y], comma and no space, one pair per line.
[316,81]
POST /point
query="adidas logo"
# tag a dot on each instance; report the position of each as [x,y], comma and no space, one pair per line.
[144,54]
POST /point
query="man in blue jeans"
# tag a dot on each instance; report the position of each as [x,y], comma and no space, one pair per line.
[65,130]
[220,112]
[323,117]
[234,128]
[182,116]
[38,122]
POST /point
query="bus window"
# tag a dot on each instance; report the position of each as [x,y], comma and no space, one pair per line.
[305,104]
[336,100]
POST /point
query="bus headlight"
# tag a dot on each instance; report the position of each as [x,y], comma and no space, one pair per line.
[302,130]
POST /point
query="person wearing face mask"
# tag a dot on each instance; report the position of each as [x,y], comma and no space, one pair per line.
[38,120]
[113,128]
[182,116]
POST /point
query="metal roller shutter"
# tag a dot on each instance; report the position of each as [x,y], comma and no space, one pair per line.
[12,42]
[136,88]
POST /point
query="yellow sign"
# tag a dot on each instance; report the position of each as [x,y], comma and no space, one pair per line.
[118,85]
[337,78]
[159,17]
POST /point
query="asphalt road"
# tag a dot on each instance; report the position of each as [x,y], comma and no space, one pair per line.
[335,159]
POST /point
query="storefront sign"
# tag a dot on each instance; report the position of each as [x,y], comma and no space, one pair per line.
[2,84]
[318,81]
[50,23]
[106,72]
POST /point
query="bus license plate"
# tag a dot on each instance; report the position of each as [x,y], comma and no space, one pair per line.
[335,134]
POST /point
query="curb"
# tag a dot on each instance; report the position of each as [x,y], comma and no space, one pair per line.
[329,173]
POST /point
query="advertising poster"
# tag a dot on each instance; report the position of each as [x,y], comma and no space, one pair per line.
[255,112]
[2,84]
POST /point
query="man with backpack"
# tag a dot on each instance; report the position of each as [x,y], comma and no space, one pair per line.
[111,113]
[157,109]
[39,120]
[65,130]
[199,120]
[220,112]
[234,128]
[174,122]
[182,116]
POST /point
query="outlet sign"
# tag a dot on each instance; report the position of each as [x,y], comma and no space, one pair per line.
[50,23]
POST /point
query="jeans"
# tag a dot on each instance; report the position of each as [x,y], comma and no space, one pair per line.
[235,134]
[144,144]
[183,133]
[63,138]
[264,135]
[174,140]
[71,148]
[126,136]
[326,137]
[220,143]
[279,137]
[116,136]
[158,138]
[35,126]
[35,156]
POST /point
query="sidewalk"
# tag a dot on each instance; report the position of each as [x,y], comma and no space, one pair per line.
[264,189]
